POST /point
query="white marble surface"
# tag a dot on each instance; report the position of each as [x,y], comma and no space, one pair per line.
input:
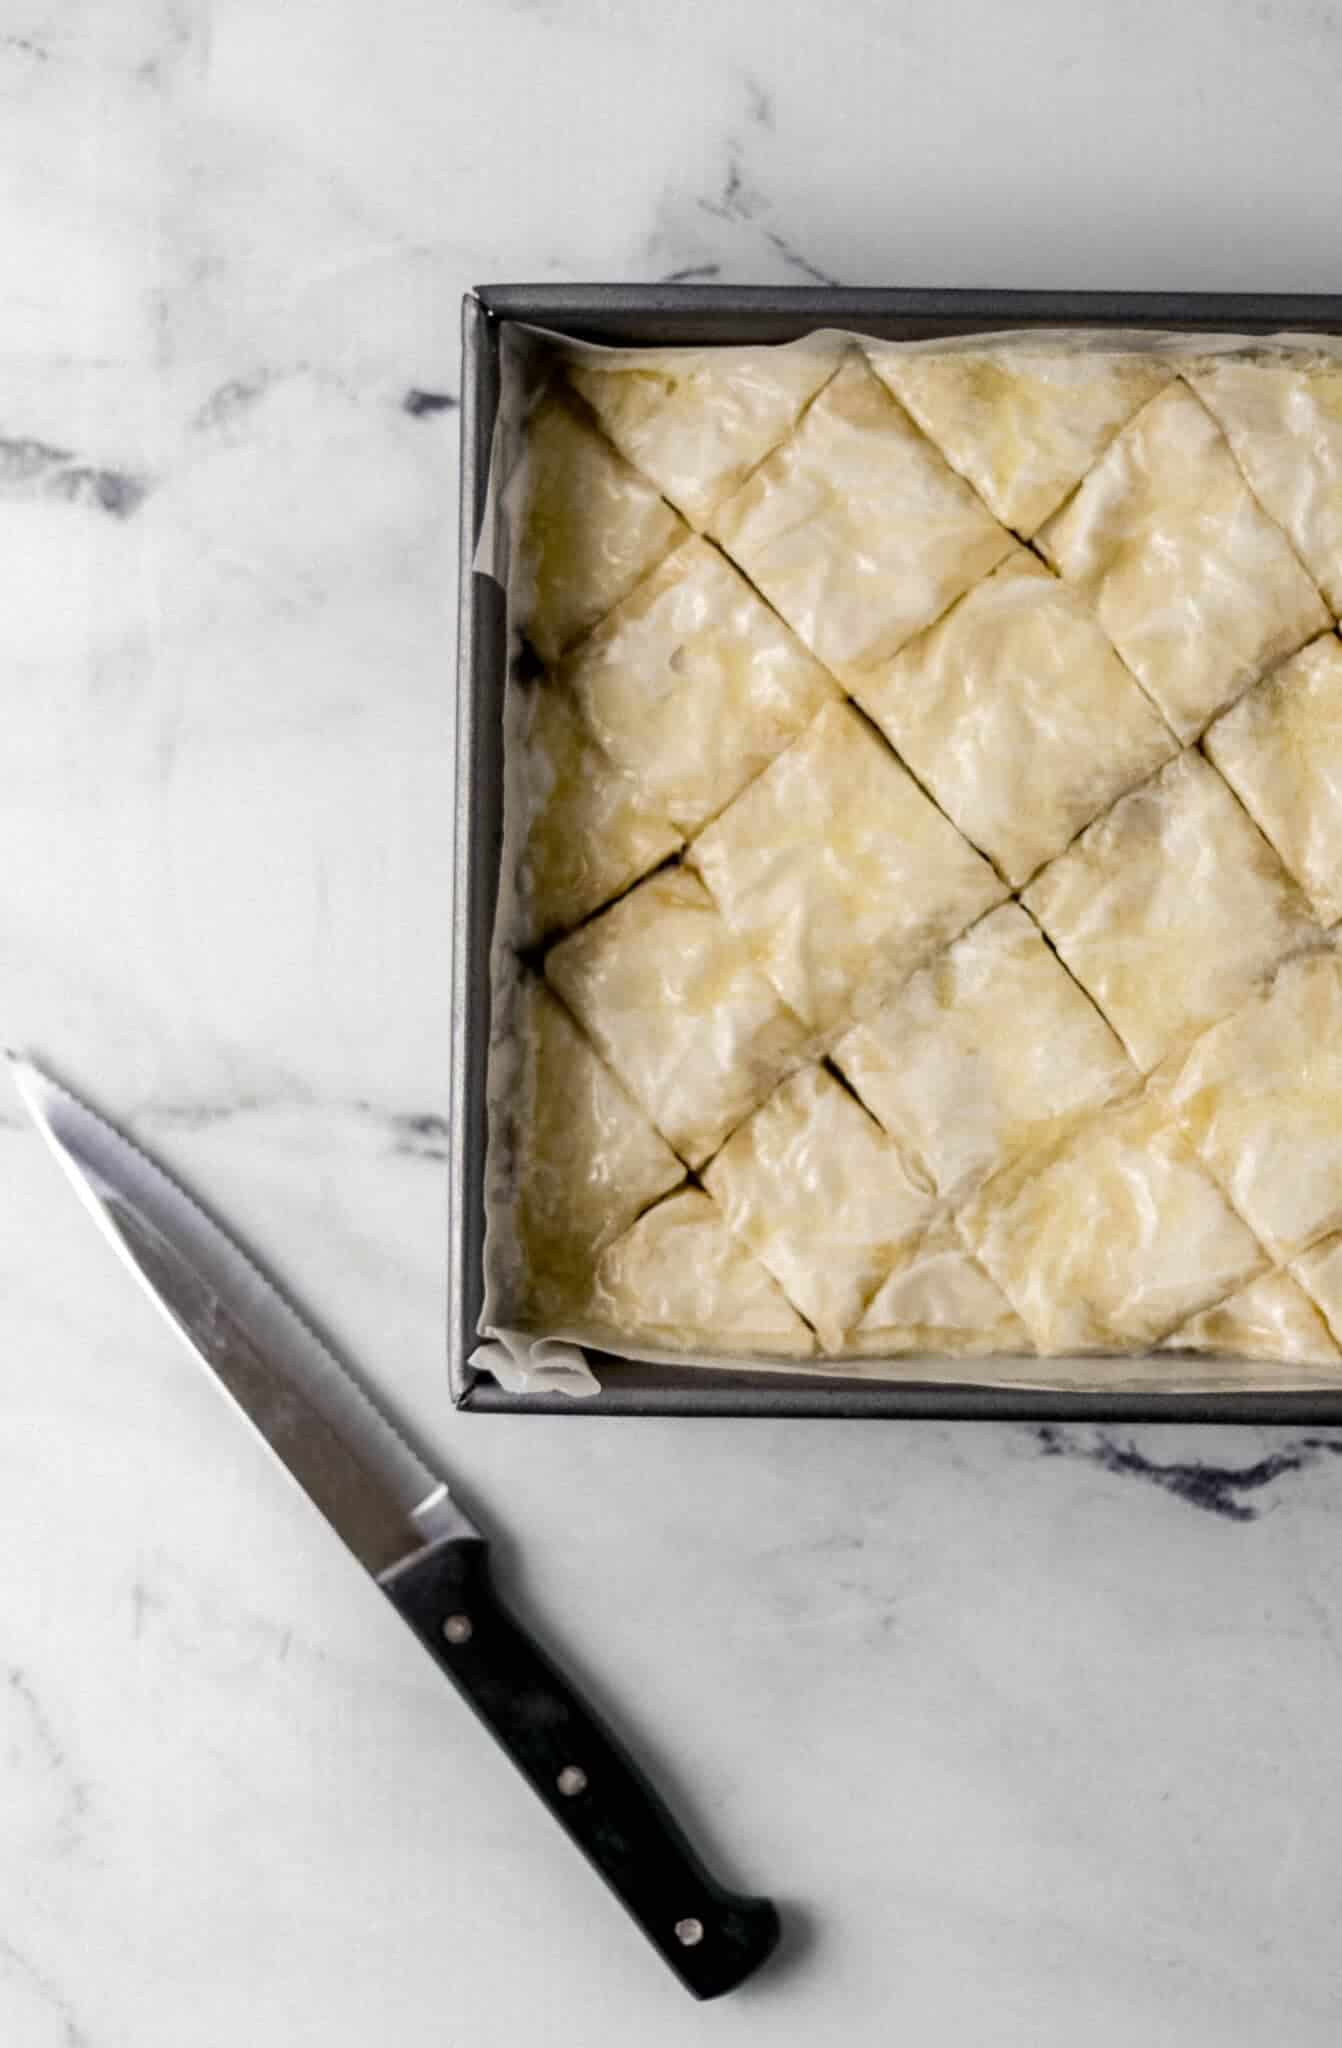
[1038,1736]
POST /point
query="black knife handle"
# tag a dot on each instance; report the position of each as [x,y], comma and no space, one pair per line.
[713,1939]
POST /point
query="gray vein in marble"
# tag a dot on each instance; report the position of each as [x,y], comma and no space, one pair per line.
[35,469]
[736,199]
[51,1756]
[741,200]
[759,102]
[1198,1483]
[413,1134]
[188,25]
[422,1135]
[201,1115]
[144,1601]
[211,1631]
[691,273]
[796,261]
[47,1990]
[422,404]
[231,399]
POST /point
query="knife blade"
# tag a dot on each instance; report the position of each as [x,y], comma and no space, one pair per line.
[398,1518]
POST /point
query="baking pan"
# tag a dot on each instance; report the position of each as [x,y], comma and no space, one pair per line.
[642,315]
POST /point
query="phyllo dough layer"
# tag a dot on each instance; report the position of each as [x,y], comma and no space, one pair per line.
[693,685]
[987,1053]
[922,917]
[1115,1238]
[1197,588]
[1280,749]
[592,527]
[1283,419]
[838,873]
[998,709]
[1261,1098]
[821,1195]
[1272,1317]
[674,1002]
[698,426]
[1022,424]
[857,529]
[681,1280]
[1170,908]
[938,1298]
[587,1162]
[591,830]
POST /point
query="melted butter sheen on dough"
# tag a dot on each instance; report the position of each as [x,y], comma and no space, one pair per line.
[592,830]
[820,1194]
[587,1161]
[1170,908]
[838,872]
[1270,1318]
[698,424]
[1127,1137]
[1017,714]
[984,1054]
[693,685]
[938,1299]
[592,526]
[1115,1238]
[1261,1097]
[673,1001]
[856,529]
[1280,749]
[1284,423]
[1197,588]
[1023,425]
[680,1279]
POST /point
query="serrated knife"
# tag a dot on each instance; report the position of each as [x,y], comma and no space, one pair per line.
[401,1523]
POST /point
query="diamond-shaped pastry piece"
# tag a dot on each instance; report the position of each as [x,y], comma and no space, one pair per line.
[1270,1318]
[592,830]
[1015,711]
[1170,908]
[585,1161]
[1260,1095]
[679,1280]
[591,527]
[1114,1238]
[693,685]
[1197,588]
[1022,423]
[818,1191]
[839,873]
[984,1054]
[938,1298]
[1284,422]
[697,422]
[857,529]
[1280,749]
[673,1001]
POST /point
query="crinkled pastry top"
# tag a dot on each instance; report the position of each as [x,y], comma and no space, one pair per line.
[925,816]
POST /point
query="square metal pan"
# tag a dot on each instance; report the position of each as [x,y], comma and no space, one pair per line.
[636,315]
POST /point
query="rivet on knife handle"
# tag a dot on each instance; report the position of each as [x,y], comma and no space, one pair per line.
[712,1938]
